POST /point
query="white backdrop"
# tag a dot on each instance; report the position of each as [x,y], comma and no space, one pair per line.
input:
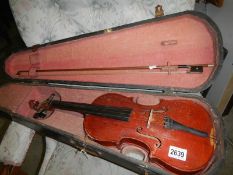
[43,21]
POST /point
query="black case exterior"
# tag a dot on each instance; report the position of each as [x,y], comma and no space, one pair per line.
[99,151]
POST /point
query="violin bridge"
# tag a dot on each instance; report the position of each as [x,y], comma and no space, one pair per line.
[150,118]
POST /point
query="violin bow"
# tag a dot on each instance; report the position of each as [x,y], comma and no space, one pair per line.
[196,68]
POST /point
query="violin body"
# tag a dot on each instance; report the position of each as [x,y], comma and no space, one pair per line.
[176,150]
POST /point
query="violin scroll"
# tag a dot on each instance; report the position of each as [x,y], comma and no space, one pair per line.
[43,109]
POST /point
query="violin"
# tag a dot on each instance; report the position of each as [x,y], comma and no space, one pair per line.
[177,135]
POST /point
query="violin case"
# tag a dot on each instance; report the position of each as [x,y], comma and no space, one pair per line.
[168,58]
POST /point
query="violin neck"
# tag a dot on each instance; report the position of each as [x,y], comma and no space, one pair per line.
[118,113]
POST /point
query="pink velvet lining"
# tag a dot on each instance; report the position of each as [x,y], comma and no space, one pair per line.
[184,40]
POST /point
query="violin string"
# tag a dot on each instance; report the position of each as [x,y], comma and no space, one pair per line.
[120,113]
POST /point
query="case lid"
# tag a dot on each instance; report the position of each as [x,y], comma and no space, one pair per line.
[180,52]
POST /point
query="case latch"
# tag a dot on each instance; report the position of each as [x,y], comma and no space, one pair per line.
[159,11]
